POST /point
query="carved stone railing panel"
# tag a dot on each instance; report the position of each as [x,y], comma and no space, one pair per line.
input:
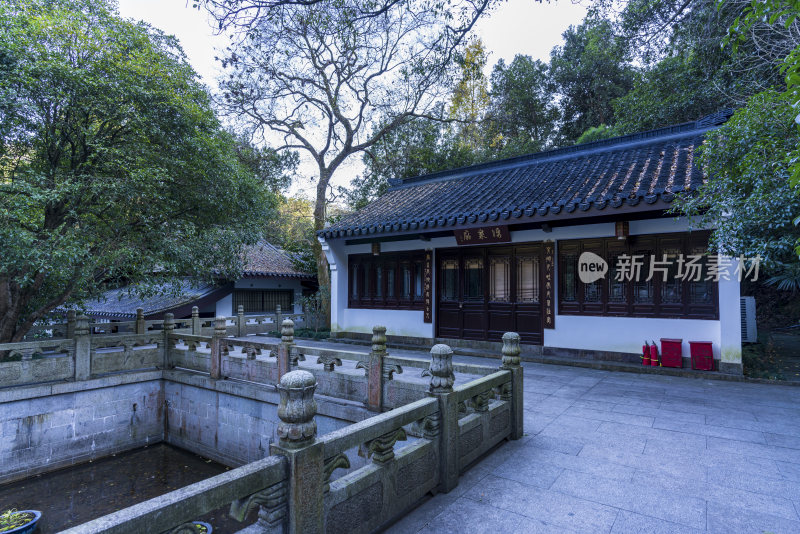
[173,509]
[340,461]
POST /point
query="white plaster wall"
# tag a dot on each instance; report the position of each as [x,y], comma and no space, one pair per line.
[730,319]
[627,334]
[397,322]
[225,306]
[623,334]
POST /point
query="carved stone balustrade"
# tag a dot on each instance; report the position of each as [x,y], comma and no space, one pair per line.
[297,409]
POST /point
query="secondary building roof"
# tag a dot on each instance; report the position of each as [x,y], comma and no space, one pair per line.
[122,303]
[265,259]
[624,171]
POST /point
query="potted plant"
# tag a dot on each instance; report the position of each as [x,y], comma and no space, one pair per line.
[19,521]
[194,527]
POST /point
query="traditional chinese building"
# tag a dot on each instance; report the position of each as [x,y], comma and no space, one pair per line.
[471,253]
[269,280]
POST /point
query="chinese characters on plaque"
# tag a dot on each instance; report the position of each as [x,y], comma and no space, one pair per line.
[427,292]
[479,236]
[549,281]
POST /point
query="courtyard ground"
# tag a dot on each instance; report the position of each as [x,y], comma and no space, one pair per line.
[618,452]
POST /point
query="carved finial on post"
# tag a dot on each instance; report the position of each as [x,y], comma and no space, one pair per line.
[287,356]
[379,339]
[512,391]
[441,370]
[297,409]
[169,321]
[141,326]
[195,321]
[287,332]
[511,350]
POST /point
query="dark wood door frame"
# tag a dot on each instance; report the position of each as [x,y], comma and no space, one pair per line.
[454,316]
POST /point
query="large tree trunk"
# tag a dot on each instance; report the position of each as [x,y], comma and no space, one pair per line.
[323,274]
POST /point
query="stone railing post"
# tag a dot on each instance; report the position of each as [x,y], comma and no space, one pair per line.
[241,322]
[297,432]
[141,326]
[445,426]
[218,346]
[285,348]
[70,333]
[83,349]
[196,321]
[278,317]
[375,370]
[511,362]
[169,329]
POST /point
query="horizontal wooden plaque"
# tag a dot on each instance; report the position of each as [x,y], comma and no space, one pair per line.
[480,236]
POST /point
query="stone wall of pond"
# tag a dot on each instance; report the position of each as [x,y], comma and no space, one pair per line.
[233,423]
[76,422]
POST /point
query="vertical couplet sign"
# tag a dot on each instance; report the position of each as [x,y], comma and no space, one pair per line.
[427,286]
[549,285]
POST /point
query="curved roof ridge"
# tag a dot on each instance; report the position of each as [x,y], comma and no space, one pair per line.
[704,123]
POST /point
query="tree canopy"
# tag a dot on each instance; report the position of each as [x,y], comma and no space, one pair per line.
[113,166]
[320,75]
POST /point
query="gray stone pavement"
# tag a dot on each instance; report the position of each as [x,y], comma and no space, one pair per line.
[618,452]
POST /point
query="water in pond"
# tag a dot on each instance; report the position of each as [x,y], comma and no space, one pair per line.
[74,495]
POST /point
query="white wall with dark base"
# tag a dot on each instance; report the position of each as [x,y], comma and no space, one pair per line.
[614,334]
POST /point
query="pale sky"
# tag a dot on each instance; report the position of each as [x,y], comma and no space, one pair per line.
[514,27]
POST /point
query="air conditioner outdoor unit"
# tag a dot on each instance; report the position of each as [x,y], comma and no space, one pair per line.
[747,305]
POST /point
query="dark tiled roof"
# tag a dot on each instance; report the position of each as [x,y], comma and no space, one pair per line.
[611,173]
[265,259]
[121,303]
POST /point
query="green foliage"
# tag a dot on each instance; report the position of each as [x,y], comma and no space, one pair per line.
[787,277]
[418,147]
[590,70]
[274,169]
[782,18]
[469,102]
[12,519]
[672,91]
[760,359]
[314,308]
[596,134]
[748,197]
[112,165]
[522,113]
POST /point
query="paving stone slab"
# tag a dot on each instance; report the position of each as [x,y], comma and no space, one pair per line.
[726,519]
[632,496]
[548,506]
[633,523]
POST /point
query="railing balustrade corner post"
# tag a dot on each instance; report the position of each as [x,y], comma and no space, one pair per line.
[83,349]
[297,432]
[140,326]
[218,345]
[241,322]
[169,329]
[511,362]
[441,387]
[196,327]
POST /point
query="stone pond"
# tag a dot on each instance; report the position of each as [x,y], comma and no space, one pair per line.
[293,438]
